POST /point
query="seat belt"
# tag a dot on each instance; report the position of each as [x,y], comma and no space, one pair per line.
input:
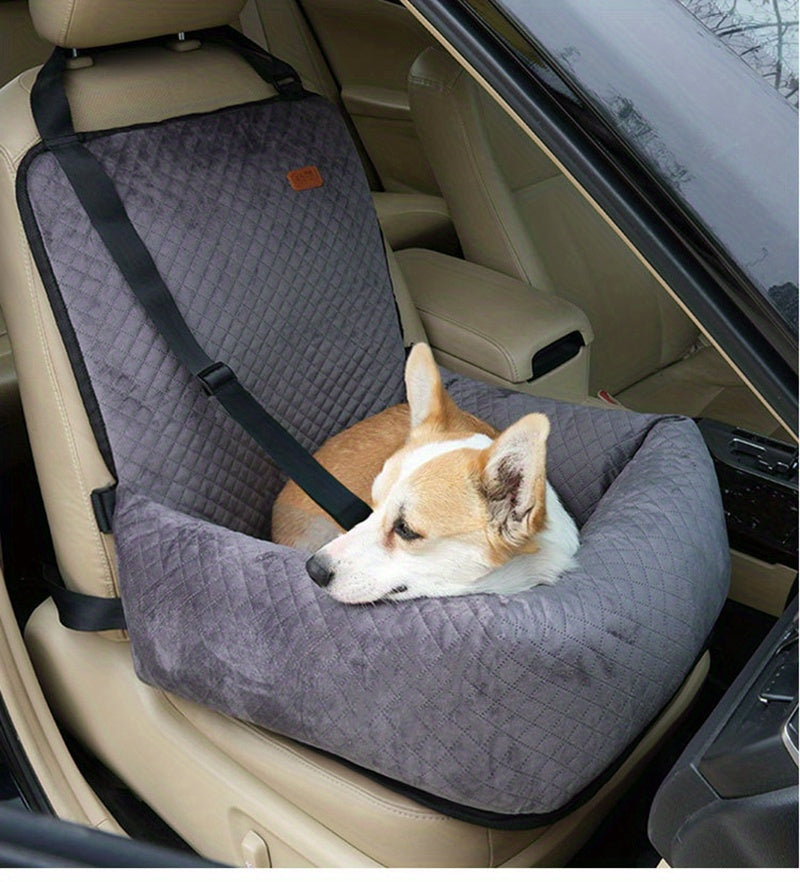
[99,198]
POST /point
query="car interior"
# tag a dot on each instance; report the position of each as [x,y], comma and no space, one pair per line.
[513,276]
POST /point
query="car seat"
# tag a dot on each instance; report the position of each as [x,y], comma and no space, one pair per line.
[516,212]
[234,790]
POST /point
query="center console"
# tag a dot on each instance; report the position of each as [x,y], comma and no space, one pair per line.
[758,480]
[486,325]
[731,799]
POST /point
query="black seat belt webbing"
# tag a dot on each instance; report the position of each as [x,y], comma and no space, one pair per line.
[100,199]
[84,612]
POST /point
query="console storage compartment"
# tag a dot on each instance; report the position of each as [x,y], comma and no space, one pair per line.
[486,325]
[758,480]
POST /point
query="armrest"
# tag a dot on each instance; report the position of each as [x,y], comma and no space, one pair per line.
[376,101]
[486,319]
[416,220]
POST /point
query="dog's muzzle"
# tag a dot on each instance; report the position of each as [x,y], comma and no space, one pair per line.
[318,566]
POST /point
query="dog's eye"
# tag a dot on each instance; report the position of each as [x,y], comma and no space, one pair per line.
[404,531]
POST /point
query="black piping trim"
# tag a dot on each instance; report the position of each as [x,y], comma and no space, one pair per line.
[42,261]
[63,321]
[105,209]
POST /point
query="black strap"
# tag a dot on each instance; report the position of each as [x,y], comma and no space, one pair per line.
[100,200]
[104,500]
[83,612]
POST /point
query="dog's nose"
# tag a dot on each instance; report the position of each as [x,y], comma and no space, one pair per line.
[320,570]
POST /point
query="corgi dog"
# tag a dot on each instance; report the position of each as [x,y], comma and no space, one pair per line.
[458,507]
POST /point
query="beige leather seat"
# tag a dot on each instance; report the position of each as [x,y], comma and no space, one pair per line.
[20,48]
[235,792]
[20,45]
[408,219]
[515,212]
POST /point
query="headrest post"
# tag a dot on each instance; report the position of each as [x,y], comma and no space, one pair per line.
[76,61]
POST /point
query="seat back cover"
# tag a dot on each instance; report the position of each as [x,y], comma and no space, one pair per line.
[290,287]
[510,705]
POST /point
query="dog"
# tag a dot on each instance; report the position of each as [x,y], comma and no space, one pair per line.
[458,507]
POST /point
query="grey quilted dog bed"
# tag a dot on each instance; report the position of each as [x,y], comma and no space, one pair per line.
[510,705]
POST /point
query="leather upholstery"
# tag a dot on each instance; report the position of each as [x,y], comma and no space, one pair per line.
[20,45]
[82,24]
[485,318]
[416,220]
[516,212]
[706,386]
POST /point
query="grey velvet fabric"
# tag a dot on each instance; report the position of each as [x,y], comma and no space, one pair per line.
[290,288]
[509,704]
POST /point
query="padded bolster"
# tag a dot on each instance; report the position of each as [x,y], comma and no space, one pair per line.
[81,24]
[483,317]
[508,704]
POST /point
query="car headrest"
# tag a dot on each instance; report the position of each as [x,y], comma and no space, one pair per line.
[81,24]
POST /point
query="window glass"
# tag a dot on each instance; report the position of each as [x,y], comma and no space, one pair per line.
[711,129]
[763,33]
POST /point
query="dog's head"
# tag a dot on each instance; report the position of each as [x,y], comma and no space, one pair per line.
[456,501]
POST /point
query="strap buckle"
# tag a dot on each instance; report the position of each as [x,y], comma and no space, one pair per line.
[214,377]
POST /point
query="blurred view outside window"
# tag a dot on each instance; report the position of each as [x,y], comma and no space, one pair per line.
[763,33]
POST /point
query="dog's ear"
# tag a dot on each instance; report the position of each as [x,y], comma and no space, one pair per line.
[426,396]
[513,479]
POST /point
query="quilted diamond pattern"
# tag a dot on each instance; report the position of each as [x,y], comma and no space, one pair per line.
[511,704]
[289,288]
[602,441]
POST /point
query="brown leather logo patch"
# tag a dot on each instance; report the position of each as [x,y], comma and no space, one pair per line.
[305,178]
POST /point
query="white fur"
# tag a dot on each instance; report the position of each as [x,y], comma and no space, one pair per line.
[558,543]
[366,570]
[420,455]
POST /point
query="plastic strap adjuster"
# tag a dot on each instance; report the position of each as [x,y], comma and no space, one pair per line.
[104,500]
[215,376]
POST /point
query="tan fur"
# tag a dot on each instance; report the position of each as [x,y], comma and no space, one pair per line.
[354,456]
[442,506]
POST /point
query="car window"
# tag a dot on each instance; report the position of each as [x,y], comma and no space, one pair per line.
[763,33]
[713,132]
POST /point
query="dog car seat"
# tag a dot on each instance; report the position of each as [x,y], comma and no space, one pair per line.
[512,706]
